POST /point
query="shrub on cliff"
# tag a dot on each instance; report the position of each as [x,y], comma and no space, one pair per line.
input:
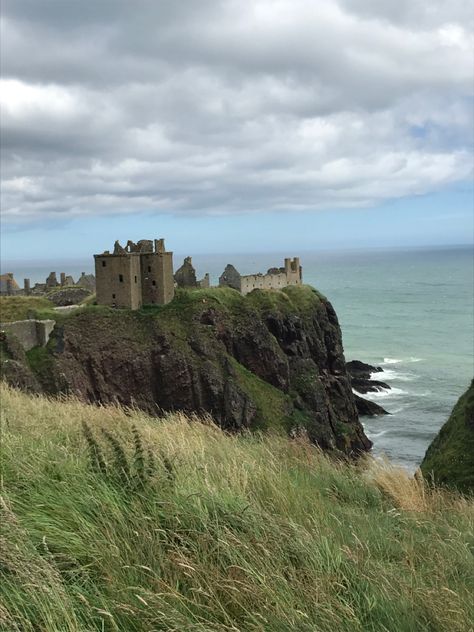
[227,533]
[449,459]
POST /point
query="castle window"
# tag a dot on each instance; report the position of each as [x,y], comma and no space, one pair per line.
[121,278]
[149,268]
[153,282]
[104,263]
[113,295]
[135,279]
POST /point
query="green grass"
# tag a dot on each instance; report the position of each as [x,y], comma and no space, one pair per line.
[272,404]
[189,529]
[21,307]
[42,365]
[449,459]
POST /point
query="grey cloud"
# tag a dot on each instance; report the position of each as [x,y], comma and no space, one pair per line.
[218,107]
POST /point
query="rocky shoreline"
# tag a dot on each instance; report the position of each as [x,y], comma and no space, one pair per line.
[360,374]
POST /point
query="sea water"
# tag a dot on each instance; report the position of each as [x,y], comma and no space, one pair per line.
[408,311]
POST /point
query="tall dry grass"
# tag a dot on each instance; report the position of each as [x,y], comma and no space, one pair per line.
[241,533]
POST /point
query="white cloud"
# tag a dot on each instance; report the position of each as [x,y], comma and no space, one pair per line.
[221,107]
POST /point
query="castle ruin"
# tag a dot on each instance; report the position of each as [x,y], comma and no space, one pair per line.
[275,278]
[135,275]
[185,276]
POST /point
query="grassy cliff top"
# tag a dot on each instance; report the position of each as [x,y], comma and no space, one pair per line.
[302,298]
[115,521]
[450,457]
[21,307]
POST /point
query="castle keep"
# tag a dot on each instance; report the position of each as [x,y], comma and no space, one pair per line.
[275,278]
[135,275]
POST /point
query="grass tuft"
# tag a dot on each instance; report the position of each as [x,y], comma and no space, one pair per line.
[256,533]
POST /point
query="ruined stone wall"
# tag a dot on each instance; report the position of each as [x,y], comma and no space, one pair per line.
[231,278]
[205,282]
[263,282]
[30,333]
[118,280]
[185,276]
[275,279]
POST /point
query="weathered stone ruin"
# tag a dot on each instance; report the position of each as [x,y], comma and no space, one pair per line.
[185,276]
[86,281]
[135,275]
[52,281]
[8,285]
[275,278]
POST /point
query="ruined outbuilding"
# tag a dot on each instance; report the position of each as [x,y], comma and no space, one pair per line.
[185,276]
[135,275]
[275,278]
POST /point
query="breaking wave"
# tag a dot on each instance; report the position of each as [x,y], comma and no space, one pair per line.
[390,374]
[400,360]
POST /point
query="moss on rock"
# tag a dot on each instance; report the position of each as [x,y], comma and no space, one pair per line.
[449,459]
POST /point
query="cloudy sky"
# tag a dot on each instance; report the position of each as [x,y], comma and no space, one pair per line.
[226,124]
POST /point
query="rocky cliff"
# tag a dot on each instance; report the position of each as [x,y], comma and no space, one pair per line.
[266,360]
[449,459]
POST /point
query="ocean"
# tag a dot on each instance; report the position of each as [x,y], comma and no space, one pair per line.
[410,312]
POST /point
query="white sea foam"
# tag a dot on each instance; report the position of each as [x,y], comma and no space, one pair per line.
[390,374]
[400,360]
[393,392]
[375,435]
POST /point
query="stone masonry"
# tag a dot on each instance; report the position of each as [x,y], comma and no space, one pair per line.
[275,278]
[185,276]
[135,275]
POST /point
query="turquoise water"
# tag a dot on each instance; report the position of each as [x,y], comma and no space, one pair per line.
[410,312]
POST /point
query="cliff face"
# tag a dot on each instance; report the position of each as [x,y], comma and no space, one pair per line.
[269,359]
[449,459]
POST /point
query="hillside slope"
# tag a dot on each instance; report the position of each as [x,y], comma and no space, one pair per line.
[180,526]
[449,459]
[267,360]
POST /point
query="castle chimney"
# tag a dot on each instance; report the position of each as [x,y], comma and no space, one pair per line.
[9,284]
[63,278]
[159,246]
[26,286]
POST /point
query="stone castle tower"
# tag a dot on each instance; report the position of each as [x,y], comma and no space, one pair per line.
[139,274]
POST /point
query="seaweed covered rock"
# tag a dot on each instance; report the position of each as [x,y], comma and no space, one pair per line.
[449,459]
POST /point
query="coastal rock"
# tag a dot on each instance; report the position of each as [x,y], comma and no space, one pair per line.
[361,370]
[271,359]
[360,373]
[369,386]
[366,408]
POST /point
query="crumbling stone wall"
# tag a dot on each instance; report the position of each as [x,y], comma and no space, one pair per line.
[231,278]
[185,276]
[275,279]
[30,333]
